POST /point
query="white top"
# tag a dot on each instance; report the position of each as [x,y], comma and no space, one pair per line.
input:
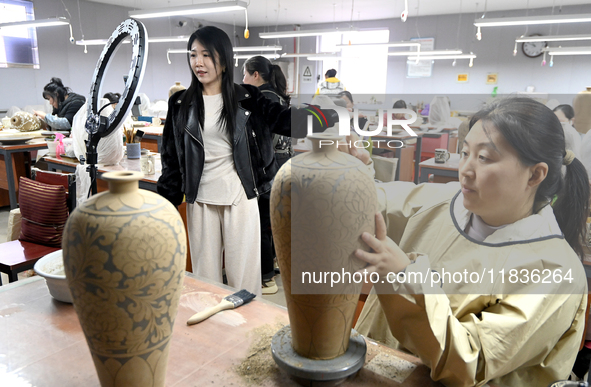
[480,230]
[220,184]
[572,139]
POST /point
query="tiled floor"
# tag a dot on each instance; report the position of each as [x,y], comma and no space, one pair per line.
[278,298]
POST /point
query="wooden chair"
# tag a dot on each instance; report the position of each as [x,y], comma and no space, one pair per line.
[17,256]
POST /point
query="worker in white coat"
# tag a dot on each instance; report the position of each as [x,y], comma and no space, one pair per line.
[513,228]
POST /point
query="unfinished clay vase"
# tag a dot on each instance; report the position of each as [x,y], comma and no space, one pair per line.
[174,88]
[27,122]
[582,106]
[321,202]
[124,254]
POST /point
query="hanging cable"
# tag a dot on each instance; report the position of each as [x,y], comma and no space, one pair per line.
[404,14]
[246,32]
[515,49]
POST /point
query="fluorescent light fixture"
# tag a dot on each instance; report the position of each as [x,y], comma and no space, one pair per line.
[323,57]
[257,48]
[57,21]
[555,38]
[246,56]
[393,44]
[162,39]
[307,54]
[532,20]
[568,50]
[434,57]
[301,33]
[175,51]
[186,10]
[95,42]
[424,54]
[168,39]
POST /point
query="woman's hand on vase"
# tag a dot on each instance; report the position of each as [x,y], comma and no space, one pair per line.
[386,257]
[40,114]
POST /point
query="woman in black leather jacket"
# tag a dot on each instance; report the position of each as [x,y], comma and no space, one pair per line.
[217,153]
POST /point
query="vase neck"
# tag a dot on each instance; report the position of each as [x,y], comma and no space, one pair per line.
[119,187]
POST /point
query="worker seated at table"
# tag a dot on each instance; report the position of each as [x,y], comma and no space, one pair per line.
[512,221]
[65,105]
[566,116]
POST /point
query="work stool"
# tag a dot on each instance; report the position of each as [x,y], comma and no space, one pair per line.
[20,255]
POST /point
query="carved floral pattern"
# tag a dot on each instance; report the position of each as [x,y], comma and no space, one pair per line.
[321,203]
[125,258]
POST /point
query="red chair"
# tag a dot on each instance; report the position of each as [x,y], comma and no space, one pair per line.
[17,256]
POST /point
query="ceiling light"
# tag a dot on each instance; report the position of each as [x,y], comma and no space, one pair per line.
[196,9]
[168,39]
[301,33]
[162,39]
[532,20]
[246,56]
[568,50]
[57,21]
[323,57]
[175,51]
[435,57]
[423,54]
[257,48]
[393,44]
[305,55]
[555,38]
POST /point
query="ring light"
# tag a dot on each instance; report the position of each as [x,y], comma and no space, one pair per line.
[96,125]
[136,31]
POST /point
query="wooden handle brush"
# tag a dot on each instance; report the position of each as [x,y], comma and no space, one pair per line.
[229,302]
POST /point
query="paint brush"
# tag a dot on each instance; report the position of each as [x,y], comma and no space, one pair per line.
[229,302]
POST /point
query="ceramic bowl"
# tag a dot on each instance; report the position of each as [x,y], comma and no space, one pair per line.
[51,267]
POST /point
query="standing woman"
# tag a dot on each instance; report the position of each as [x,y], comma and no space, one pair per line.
[217,152]
[268,77]
[65,105]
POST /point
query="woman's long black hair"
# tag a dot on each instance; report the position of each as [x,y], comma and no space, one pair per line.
[534,131]
[56,90]
[271,74]
[219,45]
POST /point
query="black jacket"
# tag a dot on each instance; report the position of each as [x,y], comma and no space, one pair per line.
[70,107]
[257,118]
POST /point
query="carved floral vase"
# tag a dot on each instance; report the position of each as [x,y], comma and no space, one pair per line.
[27,122]
[124,254]
[582,107]
[321,203]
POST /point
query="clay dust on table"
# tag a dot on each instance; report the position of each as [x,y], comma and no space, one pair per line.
[259,364]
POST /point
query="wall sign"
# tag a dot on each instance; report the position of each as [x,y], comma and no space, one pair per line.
[462,78]
[491,79]
[307,75]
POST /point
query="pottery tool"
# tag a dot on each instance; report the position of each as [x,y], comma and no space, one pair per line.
[229,302]
[138,136]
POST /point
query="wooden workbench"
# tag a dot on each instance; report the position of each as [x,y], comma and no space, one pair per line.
[43,344]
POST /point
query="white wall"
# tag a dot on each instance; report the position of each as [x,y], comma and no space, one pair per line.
[58,57]
[568,76]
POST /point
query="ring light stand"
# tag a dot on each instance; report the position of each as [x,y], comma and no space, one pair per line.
[97,126]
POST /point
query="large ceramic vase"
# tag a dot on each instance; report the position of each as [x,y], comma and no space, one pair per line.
[582,106]
[124,255]
[27,122]
[321,202]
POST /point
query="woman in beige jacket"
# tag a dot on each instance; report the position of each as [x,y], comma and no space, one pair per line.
[483,280]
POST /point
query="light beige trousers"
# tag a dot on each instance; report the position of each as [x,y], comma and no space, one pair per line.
[234,229]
